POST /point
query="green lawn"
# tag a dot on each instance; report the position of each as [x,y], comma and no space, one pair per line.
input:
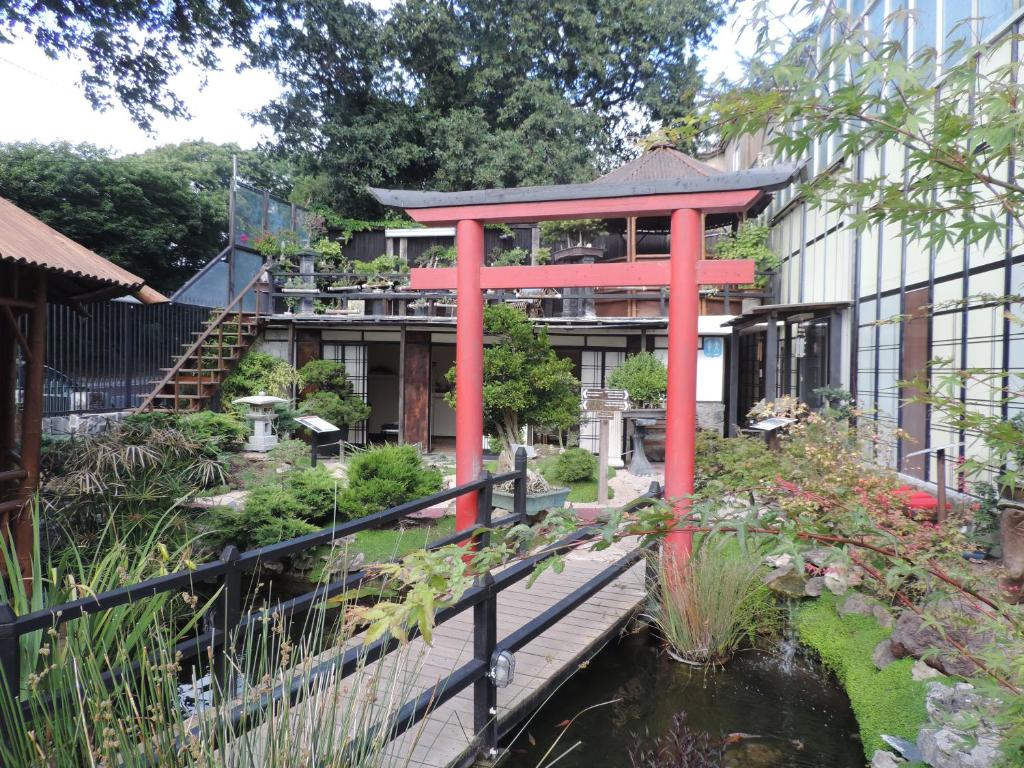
[583,492]
[387,543]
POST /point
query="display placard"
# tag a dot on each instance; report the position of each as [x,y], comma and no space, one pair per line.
[605,401]
[316,424]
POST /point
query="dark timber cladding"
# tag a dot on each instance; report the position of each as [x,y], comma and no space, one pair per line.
[38,265]
[415,384]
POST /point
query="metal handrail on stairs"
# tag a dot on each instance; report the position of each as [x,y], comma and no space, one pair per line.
[175,370]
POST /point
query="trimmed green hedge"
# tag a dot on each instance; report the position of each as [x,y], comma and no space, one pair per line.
[887,701]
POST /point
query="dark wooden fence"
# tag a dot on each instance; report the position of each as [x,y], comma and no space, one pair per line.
[231,621]
[107,359]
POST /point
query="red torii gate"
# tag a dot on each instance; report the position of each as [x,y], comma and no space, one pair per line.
[684,200]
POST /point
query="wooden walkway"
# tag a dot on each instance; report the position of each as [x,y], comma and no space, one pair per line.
[442,739]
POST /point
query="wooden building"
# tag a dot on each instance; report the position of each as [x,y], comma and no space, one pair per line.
[38,266]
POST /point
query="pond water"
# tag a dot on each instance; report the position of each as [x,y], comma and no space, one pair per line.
[771,712]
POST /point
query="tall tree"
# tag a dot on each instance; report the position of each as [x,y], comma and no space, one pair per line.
[475,92]
[161,215]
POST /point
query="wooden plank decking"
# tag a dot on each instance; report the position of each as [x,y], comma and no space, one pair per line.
[444,736]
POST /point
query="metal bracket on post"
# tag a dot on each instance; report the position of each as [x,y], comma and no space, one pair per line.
[10,659]
[227,615]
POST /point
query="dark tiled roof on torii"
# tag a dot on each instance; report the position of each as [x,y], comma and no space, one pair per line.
[661,161]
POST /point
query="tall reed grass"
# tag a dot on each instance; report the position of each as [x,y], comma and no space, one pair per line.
[709,606]
[77,717]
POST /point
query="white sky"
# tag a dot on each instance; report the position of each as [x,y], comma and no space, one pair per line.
[43,101]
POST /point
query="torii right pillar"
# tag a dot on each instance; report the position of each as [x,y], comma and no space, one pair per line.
[685,248]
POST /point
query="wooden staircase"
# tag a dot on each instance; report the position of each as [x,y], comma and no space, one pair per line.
[194,379]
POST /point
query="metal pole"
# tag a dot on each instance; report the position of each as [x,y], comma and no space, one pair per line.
[519,496]
[681,413]
[940,484]
[314,445]
[469,365]
[232,192]
[10,658]
[602,463]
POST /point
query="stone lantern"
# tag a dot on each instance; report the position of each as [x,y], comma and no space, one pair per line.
[261,414]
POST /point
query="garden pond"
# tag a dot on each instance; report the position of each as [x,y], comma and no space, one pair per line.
[770,711]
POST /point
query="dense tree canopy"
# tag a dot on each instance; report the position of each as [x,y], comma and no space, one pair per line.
[475,93]
[161,214]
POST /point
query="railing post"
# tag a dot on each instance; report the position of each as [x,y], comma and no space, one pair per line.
[485,634]
[226,617]
[940,485]
[10,659]
[519,497]
[485,692]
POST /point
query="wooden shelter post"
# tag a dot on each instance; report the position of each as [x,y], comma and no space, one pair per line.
[31,424]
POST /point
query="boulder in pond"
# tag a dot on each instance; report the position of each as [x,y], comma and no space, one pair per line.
[785,581]
[912,636]
[962,733]
[883,759]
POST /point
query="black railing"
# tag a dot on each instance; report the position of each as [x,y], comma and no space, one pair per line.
[229,620]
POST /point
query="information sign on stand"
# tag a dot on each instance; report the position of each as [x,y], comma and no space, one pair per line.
[317,427]
[602,404]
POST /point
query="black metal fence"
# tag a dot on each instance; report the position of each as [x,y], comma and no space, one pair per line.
[108,359]
[230,620]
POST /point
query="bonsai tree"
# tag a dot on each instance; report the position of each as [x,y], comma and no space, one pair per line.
[645,379]
[332,397]
[525,382]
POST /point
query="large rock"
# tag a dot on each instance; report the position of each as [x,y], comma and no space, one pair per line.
[1011,540]
[963,732]
[882,655]
[961,621]
[857,603]
[883,759]
[785,581]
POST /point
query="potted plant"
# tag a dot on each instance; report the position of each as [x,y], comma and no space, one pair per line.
[419,307]
[540,495]
[298,285]
[645,379]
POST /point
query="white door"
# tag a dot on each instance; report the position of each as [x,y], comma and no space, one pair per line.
[597,366]
[353,356]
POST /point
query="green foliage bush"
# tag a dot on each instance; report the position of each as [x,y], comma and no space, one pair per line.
[225,430]
[644,377]
[272,513]
[574,465]
[315,489]
[727,465]
[884,701]
[334,399]
[750,242]
[258,372]
[383,477]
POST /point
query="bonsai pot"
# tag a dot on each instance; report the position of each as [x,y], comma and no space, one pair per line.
[535,502]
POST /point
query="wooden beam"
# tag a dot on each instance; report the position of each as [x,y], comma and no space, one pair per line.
[12,323]
[617,275]
[594,208]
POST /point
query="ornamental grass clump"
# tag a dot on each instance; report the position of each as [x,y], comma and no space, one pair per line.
[709,606]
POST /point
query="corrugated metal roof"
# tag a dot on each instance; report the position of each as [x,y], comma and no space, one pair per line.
[661,161]
[24,239]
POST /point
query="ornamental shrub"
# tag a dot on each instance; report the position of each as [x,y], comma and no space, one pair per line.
[645,379]
[258,372]
[574,465]
[384,477]
[315,489]
[334,399]
[272,513]
[224,430]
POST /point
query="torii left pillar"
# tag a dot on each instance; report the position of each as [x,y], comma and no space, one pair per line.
[469,365]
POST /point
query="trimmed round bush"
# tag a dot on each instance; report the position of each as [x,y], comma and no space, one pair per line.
[384,477]
[225,430]
[574,465]
[315,490]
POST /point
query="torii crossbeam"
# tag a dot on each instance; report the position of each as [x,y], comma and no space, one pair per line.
[684,201]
